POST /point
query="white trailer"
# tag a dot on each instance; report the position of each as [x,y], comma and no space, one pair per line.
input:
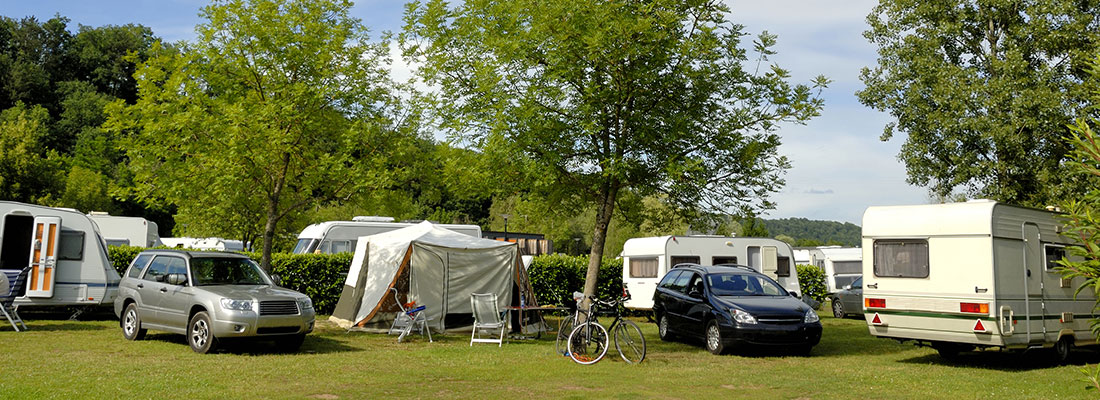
[126,231]
[65,252]
[975,274]
[646,260]
[333,237]
[210,243]
[841,265]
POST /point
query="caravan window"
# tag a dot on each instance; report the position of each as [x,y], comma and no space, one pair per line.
[71,245]
[901,258]
[643,267]
[1054,253]
[684,260]
[783,267]
[719,260]
[340,246]
[847,267]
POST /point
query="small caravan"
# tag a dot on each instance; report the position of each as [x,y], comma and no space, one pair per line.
[842,265]
[331,237]
[974,274]
[66,254]
[126,231]
[646,260]
[210,243]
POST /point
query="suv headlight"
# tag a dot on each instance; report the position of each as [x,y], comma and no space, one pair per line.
[305,303]
[238,305]
[742,317]
[811,317]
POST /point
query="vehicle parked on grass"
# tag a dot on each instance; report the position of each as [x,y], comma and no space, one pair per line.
[126,231]
[975,274]
[842,265]
[209,296]
[646,260]
[848,301]
[733,307]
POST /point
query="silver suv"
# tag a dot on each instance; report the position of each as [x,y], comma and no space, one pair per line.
[209,296]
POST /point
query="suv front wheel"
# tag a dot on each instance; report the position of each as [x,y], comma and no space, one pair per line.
[199,335]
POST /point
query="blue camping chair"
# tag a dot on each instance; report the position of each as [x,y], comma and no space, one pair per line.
[9,290]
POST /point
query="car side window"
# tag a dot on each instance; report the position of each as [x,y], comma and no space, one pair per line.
[139,265]
[669,280]
[695,284]
[681,283]
[164,265]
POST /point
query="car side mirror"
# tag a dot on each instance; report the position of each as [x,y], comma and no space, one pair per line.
[277,279]
[175,279]
[795,294]
[847,287]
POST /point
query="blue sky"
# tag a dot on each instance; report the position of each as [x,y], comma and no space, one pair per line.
[839,167]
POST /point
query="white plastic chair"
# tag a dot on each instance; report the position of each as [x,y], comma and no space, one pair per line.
[487,317]
[409,319]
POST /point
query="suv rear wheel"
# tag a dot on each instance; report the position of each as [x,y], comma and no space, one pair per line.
[131,323]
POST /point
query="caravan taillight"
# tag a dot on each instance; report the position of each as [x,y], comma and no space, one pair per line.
[976,308]
[875,303]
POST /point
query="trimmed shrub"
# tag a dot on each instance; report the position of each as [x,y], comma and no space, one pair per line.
[121,256]
[811,280]
[555,277]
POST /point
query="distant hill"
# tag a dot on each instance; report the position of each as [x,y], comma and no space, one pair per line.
[810,232]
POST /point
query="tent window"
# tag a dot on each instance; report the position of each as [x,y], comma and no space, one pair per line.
[783,266]
[719,260]
[847,267]
[71,246]
[1054,253]
[643,267]
[901,258]
[684,260]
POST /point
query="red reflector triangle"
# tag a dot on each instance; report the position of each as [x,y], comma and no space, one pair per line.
[979,327]
[876,319]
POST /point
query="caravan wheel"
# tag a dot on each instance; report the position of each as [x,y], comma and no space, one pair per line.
[1063,348]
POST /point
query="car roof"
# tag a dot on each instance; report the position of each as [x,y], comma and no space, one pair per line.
[194,253]
[721,268]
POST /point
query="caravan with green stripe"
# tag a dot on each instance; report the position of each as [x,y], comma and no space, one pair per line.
[975,274]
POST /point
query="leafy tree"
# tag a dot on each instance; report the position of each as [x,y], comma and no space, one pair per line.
[982,91]
[277,105]
[613,96]
[28,171]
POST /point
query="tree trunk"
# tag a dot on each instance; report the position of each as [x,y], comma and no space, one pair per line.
[269,236]
[599,236]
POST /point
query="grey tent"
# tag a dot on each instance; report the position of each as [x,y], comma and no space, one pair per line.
[431,266]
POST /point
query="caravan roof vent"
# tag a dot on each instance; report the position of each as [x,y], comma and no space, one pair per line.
[363,218]
[98,213]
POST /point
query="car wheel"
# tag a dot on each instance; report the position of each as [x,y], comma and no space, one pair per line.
[714,338]
[838,308]
[662,329]
[291,343]
[199,335]
[1063,348]
[131,323]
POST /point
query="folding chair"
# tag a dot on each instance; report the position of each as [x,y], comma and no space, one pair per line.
[487,316]
[410,317]
[8,292]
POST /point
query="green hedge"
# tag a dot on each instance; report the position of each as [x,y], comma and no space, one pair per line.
[319,276]
[811,279]
[555,277]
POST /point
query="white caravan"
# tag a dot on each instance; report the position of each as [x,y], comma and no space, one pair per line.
[842,265]
[333,237]
[126,231]
[210,243]
[975,274]
[646,260]
[66,254]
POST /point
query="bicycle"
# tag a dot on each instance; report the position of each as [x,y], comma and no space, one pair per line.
[588,342]
[567,325]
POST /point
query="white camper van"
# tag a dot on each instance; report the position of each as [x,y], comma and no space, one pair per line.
[842,265]
[975,274]
[65,251]
[210,243]
[333,237]
[126,231]
[646,260]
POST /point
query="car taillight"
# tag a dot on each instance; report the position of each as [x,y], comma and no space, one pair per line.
[875,303]
[977,308]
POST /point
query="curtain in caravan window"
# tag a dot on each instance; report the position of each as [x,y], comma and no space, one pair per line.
[683,260]
[643,267]
[901,258]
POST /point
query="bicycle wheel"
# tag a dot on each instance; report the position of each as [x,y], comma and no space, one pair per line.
[629,342]
[588,343]
[560,346]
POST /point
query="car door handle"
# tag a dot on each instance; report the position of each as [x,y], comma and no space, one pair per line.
[141,286]
[164,290]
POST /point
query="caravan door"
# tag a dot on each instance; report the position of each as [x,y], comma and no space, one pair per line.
[40,282]
[764,259]
[1035,309]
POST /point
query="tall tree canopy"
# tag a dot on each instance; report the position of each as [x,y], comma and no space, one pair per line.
[277,105]
[983,90]
[610,96]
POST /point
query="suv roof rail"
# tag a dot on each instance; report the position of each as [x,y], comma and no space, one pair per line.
[681,265]
[736,266]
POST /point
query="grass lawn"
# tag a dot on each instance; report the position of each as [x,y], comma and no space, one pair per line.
[91,360]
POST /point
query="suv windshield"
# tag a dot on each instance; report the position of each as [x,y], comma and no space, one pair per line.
[743,285]
[226,271]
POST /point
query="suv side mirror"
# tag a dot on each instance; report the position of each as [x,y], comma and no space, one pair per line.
[175,279]
[277,279]
[795,294]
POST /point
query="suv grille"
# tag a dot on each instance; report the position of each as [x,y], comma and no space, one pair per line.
[279,307]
